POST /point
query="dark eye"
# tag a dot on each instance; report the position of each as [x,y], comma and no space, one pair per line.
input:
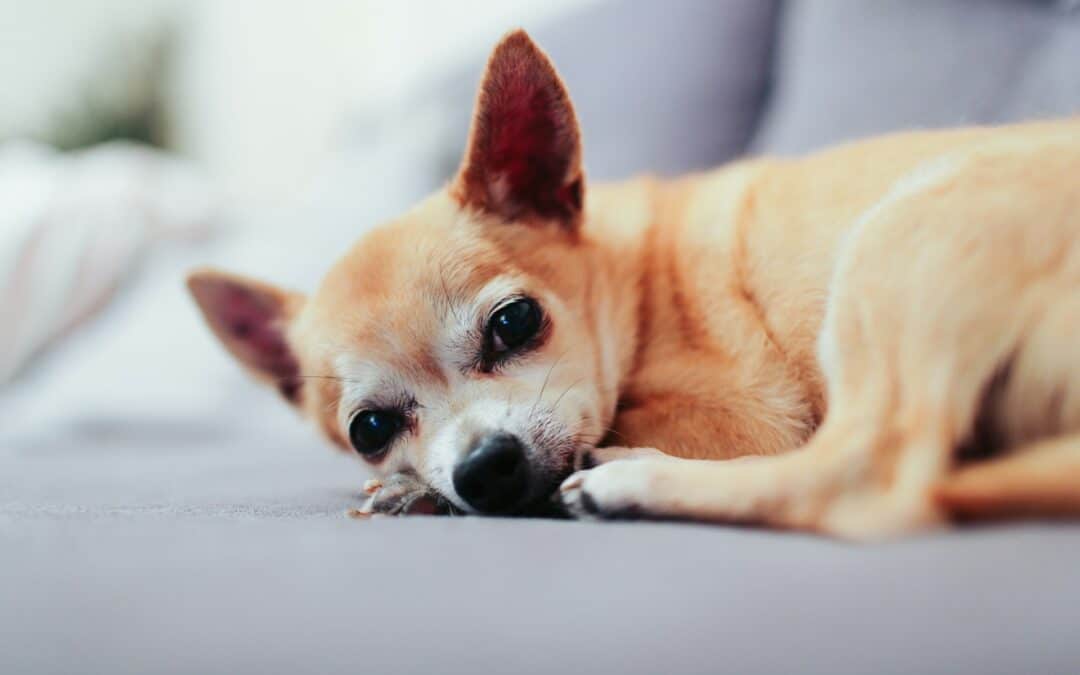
[513,326]
[371,430]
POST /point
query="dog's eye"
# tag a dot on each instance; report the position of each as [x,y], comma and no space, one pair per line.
[513,326]
[371,430]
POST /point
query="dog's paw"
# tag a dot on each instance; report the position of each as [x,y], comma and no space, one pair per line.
[400,495]
[616,490]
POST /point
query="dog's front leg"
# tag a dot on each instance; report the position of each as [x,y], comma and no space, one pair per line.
[751,489]
[399,495]
[838,484]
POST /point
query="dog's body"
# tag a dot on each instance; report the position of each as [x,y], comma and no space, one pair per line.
[863,324]
[920,288]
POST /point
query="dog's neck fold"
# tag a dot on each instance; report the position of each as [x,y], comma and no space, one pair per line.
[618,230]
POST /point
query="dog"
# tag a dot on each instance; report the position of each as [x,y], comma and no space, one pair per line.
[874,340]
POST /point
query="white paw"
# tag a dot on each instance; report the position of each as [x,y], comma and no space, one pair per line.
[619,489]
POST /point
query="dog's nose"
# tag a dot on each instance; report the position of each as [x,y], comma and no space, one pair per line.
[494,476]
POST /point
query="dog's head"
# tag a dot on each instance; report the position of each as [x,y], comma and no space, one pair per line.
[462,342]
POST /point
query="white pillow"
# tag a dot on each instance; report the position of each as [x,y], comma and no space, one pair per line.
[72,226]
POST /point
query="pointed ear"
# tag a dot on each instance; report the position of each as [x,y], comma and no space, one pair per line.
[523,160]
[251,319]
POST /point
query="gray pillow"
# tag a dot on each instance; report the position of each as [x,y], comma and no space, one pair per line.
[851,68]
[659,87]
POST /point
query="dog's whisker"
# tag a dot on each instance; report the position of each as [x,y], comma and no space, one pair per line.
[316,377]
[611,431]
[543,386]
[450,305]
[555,405]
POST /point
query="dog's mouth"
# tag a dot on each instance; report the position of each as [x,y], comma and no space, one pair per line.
[543,502]
[436,504]
[432,504]
[547,503]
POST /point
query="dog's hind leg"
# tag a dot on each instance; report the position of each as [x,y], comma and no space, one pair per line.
[1042,479]
[1029,462]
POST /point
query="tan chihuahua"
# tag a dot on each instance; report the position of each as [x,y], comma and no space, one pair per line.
[884,334]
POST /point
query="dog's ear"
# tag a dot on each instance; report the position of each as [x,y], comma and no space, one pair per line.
[251,319]
[523,160]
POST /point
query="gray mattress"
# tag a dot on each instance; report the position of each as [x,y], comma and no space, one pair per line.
[242,561]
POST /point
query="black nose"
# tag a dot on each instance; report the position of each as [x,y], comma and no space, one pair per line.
[494,476]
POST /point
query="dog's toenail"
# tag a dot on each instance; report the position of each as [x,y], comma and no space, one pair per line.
[571,483]
[371,486]
[358,514]
[589,504]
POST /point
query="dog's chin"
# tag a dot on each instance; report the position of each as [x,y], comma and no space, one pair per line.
[547,506]
[551,508]
[546,503]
